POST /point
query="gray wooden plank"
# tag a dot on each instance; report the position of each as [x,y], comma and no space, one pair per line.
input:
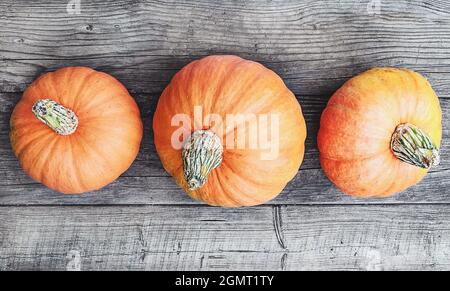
[146,182]
[313,45]
[204,238]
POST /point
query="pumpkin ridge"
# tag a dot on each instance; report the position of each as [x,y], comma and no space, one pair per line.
[48,141]
[81,88]
[263,110]
[116,99]
[202,195]
[49,85]
[77,165]
[391,184]
[110,127]
[220,85]
[49,148]
[253,83]
[388,186]
[414,79]
[69,76]
[28,143]
[235,203]
[345,108]
[356,159]
[52,82]
[90,119]
[212,97]
[398,102]
[73,163]
[95,150]
[383,134]
[357,186]
[237,175]
[177,94]
[350,92]
[25,151]
[380,151]
[223,83]
[247,176]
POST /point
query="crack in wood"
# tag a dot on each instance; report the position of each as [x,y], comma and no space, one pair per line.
[201,261]
[143,243]
[278,226]
[178,248]
[284,261]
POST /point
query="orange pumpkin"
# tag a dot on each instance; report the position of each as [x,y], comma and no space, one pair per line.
[223,162]
[76,130]
[380,132]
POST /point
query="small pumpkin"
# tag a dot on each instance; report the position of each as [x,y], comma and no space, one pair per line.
[208,163]
[380,132]
[75,130]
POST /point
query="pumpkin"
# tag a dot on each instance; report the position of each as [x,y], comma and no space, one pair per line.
[380,132]
[222,162]
[75,130]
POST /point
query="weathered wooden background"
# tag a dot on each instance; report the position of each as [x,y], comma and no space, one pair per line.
[143,221]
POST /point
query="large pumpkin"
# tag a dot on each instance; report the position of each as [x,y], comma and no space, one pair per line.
[76,130]
[219,161]
[380,132]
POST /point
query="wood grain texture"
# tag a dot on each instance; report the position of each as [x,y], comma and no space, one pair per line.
[313,45]
[143,221]
[199,238]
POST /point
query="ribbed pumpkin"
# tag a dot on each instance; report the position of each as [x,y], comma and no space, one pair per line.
[380,132]
[76,130]
[206,165]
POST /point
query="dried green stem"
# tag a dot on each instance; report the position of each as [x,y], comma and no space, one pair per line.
[201,153]
[411,145]
[62,120]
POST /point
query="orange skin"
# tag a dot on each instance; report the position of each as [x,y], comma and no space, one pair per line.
[104,145]
[231,85]
[357,125]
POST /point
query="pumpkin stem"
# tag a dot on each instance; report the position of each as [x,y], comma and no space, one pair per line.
[59,118]
[201,153]
[411,145]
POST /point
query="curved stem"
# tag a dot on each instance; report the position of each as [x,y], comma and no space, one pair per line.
[411,145]
[59,118]
[201,153]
